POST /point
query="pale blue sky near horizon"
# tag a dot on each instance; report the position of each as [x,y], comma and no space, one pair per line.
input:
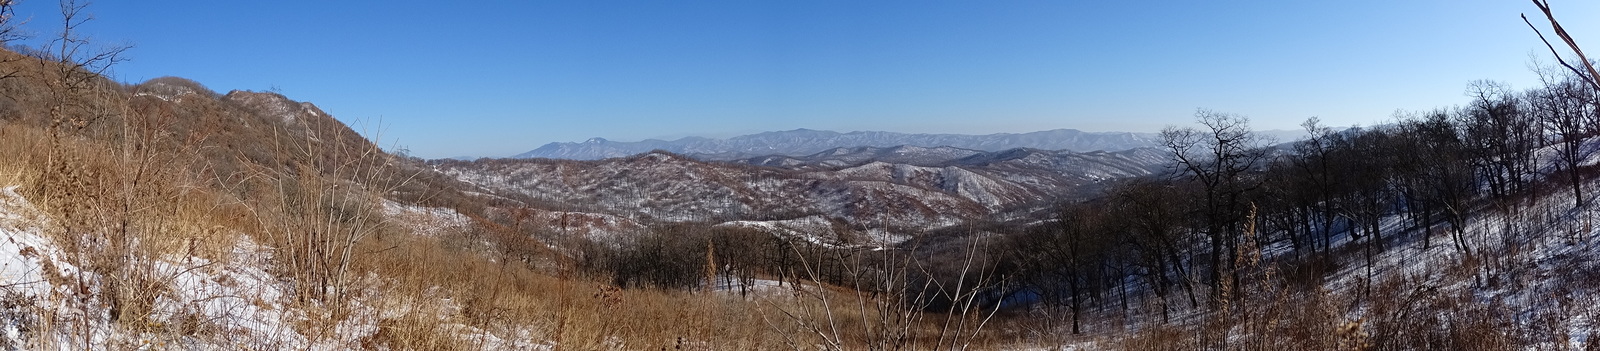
[496,78]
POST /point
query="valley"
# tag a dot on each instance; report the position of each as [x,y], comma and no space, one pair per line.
[662,186]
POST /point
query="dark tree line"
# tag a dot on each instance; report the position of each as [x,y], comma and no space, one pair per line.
[1324,200]
[700,256]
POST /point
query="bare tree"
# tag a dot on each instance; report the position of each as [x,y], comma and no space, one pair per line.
[1499,135]
[1564,107]
[8,24]
[1312,164]
[77,66]
[1151,214]
[1587,76]
[1063,260]
[1218,158]
[9,33]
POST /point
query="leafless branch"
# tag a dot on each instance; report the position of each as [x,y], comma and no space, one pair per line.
[1544,6]
[9,33]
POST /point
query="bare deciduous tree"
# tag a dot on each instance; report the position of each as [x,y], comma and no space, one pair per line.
[1564,107]
[77,66]
[1218,158]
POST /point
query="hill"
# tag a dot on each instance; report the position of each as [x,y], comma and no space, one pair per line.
[662,186]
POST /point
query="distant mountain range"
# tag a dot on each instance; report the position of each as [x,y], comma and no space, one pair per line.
[809,142]
[802,142]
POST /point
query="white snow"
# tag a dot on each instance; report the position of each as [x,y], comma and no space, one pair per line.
[427,221]
[231,302]
[816,230]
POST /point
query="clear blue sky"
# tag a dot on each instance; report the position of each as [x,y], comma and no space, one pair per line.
[495,78]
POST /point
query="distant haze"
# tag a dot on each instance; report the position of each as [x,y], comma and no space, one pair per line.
[801,142]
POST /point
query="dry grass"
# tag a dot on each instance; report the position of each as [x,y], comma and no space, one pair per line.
[15,168]
[437,304]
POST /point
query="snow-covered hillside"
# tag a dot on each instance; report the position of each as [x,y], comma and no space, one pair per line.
[659,186]
[235,301]
[668,187]
[1519,272]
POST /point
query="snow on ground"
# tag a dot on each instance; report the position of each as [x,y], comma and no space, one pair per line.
[816,230]
[599,227]
[52,304]
[31,273]
[761,287]
[21,262]
[427,221]
[883,237]
[1542,251]
[1533,247]
[231,302]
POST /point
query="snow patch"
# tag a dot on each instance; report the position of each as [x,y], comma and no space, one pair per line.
[425,221]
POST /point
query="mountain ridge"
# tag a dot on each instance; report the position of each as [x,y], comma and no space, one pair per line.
[803,142]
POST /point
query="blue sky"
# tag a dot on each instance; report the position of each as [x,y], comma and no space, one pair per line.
[495,78]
